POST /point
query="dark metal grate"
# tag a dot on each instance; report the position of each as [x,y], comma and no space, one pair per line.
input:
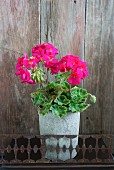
[32,149]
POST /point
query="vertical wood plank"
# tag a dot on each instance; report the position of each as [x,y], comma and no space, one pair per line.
[19,32]
[99,53]
[62,23]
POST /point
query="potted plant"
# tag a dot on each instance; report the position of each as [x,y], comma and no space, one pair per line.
[59,102]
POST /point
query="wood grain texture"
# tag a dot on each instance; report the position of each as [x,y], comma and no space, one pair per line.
[19,32]
[99,53]
[62,23]
[81,27]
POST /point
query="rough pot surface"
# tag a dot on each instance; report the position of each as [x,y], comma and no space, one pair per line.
[67,125]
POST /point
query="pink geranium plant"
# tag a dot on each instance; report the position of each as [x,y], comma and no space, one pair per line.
[63,95]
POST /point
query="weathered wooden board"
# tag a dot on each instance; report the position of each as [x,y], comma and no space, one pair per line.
[62,23]
[19,28]
[99,53]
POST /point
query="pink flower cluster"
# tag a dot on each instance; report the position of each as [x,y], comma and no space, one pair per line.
[78,68]
[23,65]
[46,52]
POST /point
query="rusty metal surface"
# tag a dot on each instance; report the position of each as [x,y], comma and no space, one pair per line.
[58,166]
[24,149]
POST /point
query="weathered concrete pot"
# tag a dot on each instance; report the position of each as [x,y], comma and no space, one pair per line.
[52,125]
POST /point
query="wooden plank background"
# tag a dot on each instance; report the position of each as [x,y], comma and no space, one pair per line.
[80,27]
[19,32]
[99,53]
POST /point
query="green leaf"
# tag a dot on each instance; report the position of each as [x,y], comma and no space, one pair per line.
[65,85]
[40,99]
[52,85]
[73,107]
[78,95]
[83,99]
[78,107]
[82,92]
[44,110]
[67,94]
[83,107]
[62,100]
[77,91]
[93,98]
[63,76]
[59,75]
[59,111]
[54,89]
[66,75]
[74,92]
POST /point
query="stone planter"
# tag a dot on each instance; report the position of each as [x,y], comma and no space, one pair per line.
[52,125]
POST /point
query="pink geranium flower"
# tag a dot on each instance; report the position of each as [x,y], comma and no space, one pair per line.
[47,58]
[83,67]
[50,49]
[53,66]
[75,78]
[44,51]
[30,63]
[25,76]
[85,73]
[62,66]
[20,62]
[67,62]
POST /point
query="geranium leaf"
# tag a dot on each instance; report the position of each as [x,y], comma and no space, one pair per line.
[44,110]
[62,100]
[59,111]
[78,107]
[93,98]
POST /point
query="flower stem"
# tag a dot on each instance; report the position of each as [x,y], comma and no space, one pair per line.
[47,76]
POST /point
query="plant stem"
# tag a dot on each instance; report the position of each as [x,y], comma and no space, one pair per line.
[47,76]
[70,88]
[41,85]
